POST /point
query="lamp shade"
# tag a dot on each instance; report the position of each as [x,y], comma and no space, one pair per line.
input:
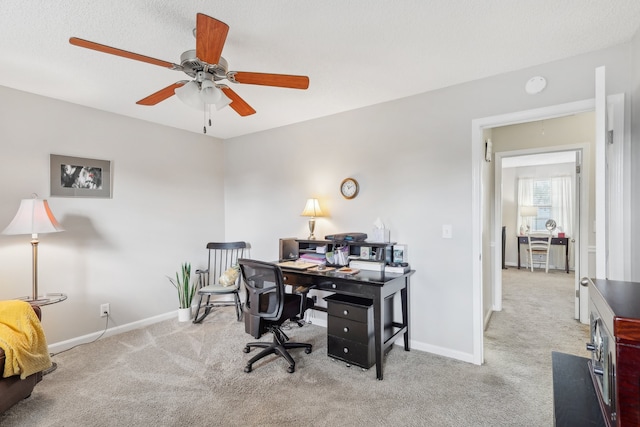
[528,211]
[312,208]
[190,95]
[200,96]
[33,217]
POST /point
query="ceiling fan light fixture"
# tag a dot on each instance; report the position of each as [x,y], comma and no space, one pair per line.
[190,95]
[209,93]
[223,101]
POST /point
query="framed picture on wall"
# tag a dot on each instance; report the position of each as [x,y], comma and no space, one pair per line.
[79,177]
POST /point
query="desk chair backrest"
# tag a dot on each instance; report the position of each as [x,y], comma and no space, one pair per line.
[539,243]
[264,288]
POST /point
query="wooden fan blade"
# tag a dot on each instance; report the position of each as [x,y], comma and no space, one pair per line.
[119,52]
[266,79]
[210,37]
[237,103]
[160,95]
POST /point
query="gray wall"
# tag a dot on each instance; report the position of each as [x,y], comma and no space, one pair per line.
[167,201]
[413,160]
[635,157]
[411,156]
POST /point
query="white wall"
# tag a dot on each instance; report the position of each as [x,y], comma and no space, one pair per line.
[635,157]
[167,203]
[413,160]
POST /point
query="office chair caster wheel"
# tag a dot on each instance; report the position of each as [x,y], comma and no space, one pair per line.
[291,369]
[247,369]
[307,350]
[246,349]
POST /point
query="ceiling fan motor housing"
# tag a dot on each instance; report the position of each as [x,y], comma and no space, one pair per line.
[192,66]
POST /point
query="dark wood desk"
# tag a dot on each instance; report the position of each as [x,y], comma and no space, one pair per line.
[376,286]
[562,241]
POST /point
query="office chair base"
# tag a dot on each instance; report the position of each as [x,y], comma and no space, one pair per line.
[279,346]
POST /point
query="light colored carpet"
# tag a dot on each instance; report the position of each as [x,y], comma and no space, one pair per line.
[175,374]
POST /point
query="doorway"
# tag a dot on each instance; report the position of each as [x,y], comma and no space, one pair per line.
[531,154]
[486,263]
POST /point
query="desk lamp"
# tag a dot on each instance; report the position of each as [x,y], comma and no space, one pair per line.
[33,217]
[528,212]
[312,209]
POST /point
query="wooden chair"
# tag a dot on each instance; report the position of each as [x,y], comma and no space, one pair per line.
[222,256]
[539,244]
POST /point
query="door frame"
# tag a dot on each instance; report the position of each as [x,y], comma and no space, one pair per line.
[477,168]
[581,239]
[618,198]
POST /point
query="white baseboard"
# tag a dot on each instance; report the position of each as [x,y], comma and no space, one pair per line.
[316,320]
[84,339]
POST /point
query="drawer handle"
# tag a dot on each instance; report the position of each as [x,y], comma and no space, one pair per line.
[345,312]
[345,350]
[346,329]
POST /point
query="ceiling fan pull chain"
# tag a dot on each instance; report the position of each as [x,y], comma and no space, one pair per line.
[204,119]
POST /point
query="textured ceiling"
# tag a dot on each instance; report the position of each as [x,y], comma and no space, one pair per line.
[356,53]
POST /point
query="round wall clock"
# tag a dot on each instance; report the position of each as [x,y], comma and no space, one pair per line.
[349,188]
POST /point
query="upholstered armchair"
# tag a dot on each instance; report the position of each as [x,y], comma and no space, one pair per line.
[13,389]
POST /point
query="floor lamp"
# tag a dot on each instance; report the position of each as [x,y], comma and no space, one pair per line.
[34,217]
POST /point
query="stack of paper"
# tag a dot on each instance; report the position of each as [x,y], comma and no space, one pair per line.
[313,258]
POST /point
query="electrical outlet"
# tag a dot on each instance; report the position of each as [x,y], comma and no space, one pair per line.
[105,310]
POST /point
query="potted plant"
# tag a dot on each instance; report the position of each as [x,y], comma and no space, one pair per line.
[186,291]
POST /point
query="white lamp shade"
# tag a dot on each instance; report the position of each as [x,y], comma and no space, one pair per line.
[190,95]
[209,93]
[199,97]
[312,208]
[33,217]
[529,211]
[223,101]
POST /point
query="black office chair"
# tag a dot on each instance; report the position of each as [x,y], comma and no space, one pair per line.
[267,307]
[222,256]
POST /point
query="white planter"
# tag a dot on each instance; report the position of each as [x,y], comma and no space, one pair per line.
[184,314]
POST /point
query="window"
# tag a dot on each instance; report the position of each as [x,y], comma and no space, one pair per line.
[553,198]
[542,200]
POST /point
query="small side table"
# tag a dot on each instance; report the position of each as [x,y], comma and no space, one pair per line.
[42,300]
[46,299]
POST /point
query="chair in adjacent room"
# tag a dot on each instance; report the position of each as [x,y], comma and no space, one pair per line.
[221,278]
[267,307]
[539,245]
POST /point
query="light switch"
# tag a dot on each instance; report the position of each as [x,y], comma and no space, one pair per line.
[447,231]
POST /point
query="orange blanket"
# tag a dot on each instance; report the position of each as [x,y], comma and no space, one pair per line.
[22,339]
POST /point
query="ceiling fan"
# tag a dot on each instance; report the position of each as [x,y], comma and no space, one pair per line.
[207,68]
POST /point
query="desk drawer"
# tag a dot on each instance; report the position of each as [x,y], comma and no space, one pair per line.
[350,330]
[297,279]
[351,352]
[349,307]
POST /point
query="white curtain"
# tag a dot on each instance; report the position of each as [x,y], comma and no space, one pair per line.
[525,198]
[562,203]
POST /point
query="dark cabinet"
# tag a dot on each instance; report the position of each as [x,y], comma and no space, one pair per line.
[350,336]
[350,329]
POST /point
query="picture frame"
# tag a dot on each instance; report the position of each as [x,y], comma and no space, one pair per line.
[79,177]
[400,253]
